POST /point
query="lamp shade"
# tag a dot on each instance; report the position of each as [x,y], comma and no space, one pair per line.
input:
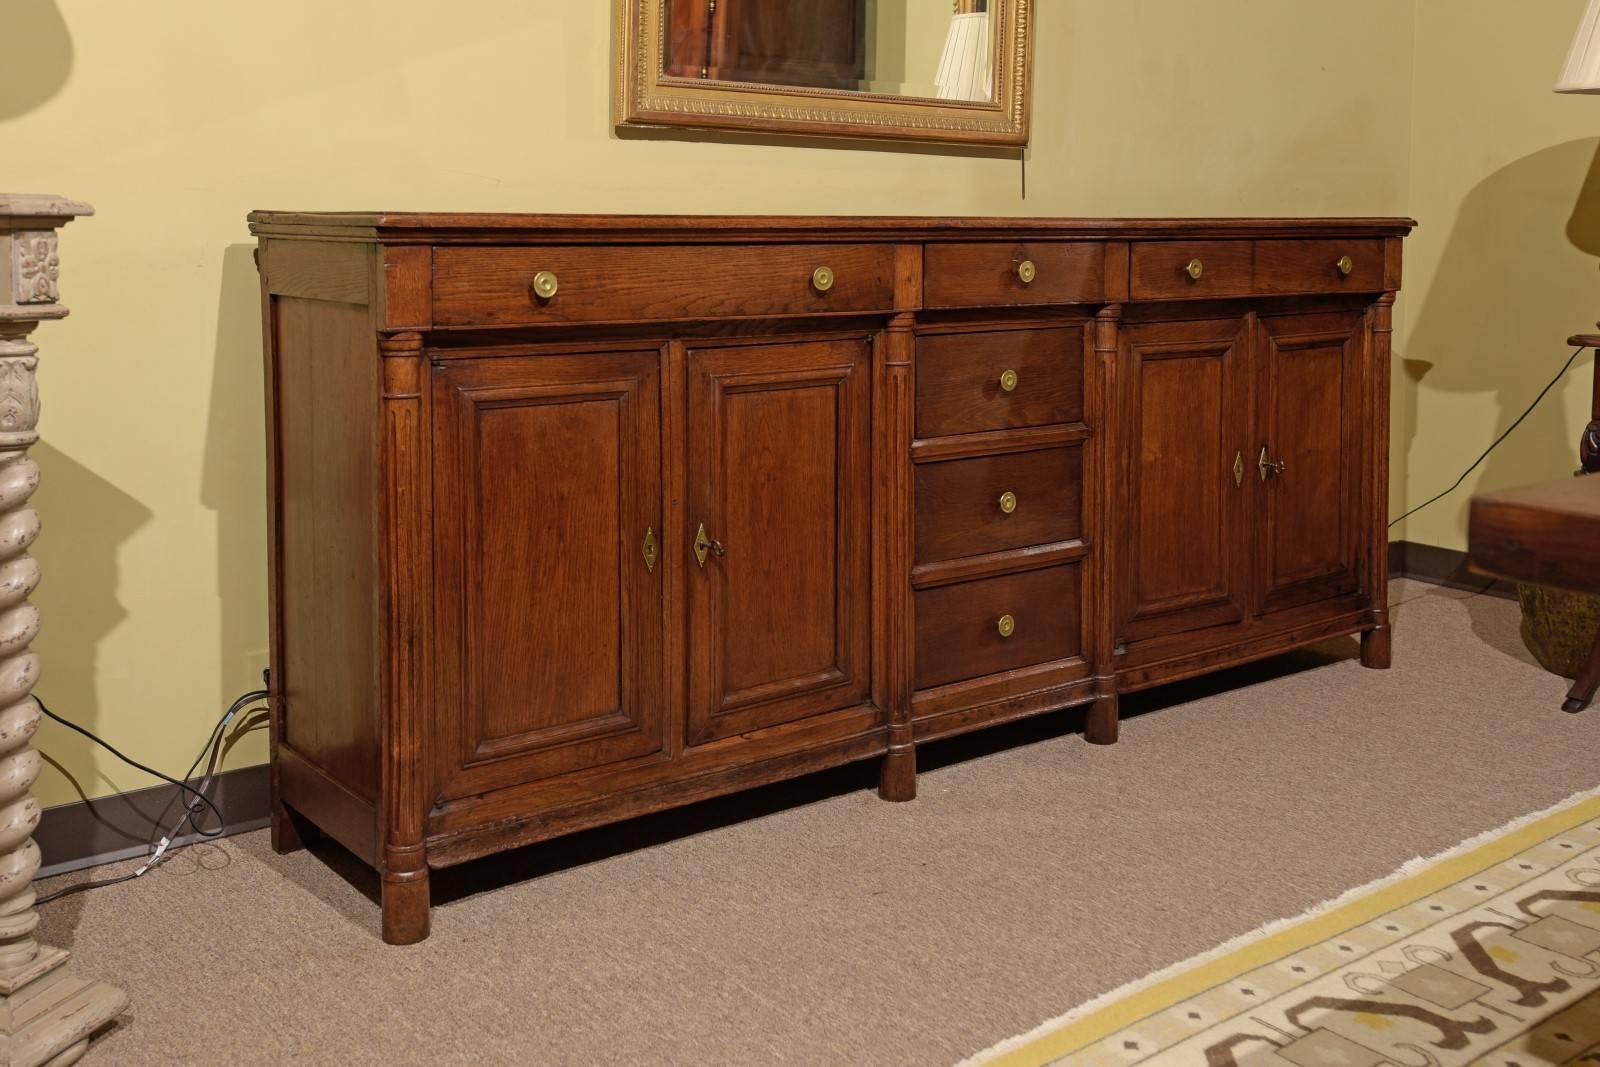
[1582,72]
[966,71]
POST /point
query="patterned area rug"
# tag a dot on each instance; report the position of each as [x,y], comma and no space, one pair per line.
[1489,954]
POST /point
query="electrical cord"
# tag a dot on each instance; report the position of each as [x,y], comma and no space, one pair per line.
[163,850]
[1477,462]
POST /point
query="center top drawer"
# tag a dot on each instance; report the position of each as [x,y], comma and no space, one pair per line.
[536,286]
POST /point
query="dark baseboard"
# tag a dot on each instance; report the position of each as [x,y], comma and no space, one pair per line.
[1443,566]
[87,833]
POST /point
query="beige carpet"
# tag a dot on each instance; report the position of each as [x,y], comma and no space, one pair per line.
[815,924]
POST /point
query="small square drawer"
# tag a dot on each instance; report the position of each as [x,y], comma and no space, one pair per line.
[1354,266]
[1011,273]
[991,625]
[969,507]
[999,380]
[532,286]
[1190,270]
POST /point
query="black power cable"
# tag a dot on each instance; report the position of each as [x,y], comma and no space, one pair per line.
[163,850]
[1478,462]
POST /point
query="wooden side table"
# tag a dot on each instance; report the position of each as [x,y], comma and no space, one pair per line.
[1546,534]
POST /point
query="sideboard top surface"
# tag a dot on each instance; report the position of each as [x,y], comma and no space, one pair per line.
[478,228]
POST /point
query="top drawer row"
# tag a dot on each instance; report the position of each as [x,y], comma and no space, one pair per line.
[586,284]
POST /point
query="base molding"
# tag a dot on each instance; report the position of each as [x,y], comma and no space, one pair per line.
[88,833]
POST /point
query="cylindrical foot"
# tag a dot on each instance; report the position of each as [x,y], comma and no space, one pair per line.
[1572,705]
[405,908]
[897,777]
[1103,724]
[290,831]
[1377,648]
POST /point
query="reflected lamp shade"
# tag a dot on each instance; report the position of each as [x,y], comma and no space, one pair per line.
[966,71]
[1582,72]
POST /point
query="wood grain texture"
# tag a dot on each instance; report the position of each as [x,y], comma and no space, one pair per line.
[1546,534]
[780,610]
[493,286]
[959,506]
[958,636]
[472,652]
[960,275]
[959,380]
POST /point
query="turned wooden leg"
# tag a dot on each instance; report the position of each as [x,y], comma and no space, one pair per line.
[1587,683]
[405,907]
[897,777]
[1104,720]
[1377,648]
[291,831]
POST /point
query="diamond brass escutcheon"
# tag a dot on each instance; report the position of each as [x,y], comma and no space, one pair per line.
[650,550]
[1238,468]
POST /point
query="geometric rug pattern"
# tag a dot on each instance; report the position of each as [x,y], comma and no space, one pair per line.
[1489,954]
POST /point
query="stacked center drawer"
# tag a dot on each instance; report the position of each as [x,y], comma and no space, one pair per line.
[999,500]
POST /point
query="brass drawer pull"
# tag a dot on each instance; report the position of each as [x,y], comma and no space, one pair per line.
[705,544]
[1346,265]
[1008,381]
[1195,269]
[1008,502]
[822,279]
[1007,626]
[545,284]
[1027,272]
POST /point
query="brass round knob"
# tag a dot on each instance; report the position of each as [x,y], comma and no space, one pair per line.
[1027,272]
[1008,382]
[545,284]
[822,279]
[1345,265]
[1195,269]
[1007,626]
[1008,502]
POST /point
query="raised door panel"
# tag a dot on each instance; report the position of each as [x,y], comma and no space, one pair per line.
[1309,389]
[779,475]
[1183,563]
[547,478]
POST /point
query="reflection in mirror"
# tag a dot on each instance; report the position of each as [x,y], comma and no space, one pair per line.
[901,48]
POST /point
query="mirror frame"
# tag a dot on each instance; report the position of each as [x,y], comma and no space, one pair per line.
[644,96]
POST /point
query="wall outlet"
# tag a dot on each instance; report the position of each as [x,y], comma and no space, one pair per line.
[258,662]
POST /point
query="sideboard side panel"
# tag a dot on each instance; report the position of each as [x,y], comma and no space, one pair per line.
[322,397]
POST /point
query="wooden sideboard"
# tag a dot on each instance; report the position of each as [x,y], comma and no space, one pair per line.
[579,517]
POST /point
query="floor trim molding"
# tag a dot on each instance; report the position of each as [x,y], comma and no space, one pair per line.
[88,833]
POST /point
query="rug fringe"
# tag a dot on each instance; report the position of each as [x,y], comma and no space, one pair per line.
[1411,867]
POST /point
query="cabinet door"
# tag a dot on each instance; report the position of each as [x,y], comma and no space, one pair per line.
[779,470]
[1309,389]
[1183,554]
[547,476]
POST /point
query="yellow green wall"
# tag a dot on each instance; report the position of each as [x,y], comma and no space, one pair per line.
[176,118]
[1506,183]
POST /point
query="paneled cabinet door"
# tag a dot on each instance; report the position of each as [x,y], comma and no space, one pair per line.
[1183,553]
[779,488]
[1308,460]
[547,482]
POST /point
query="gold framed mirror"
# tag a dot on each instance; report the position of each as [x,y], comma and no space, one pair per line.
[949,71]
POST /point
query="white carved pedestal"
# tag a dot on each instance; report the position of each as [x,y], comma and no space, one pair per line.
[46,1016]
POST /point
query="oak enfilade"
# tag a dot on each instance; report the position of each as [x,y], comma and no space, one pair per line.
[579,517]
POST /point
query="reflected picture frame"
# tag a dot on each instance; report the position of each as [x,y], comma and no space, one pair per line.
[644,95]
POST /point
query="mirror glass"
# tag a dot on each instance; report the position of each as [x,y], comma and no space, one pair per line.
[903,48]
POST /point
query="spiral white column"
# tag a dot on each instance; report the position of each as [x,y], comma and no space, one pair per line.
[46,1015]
